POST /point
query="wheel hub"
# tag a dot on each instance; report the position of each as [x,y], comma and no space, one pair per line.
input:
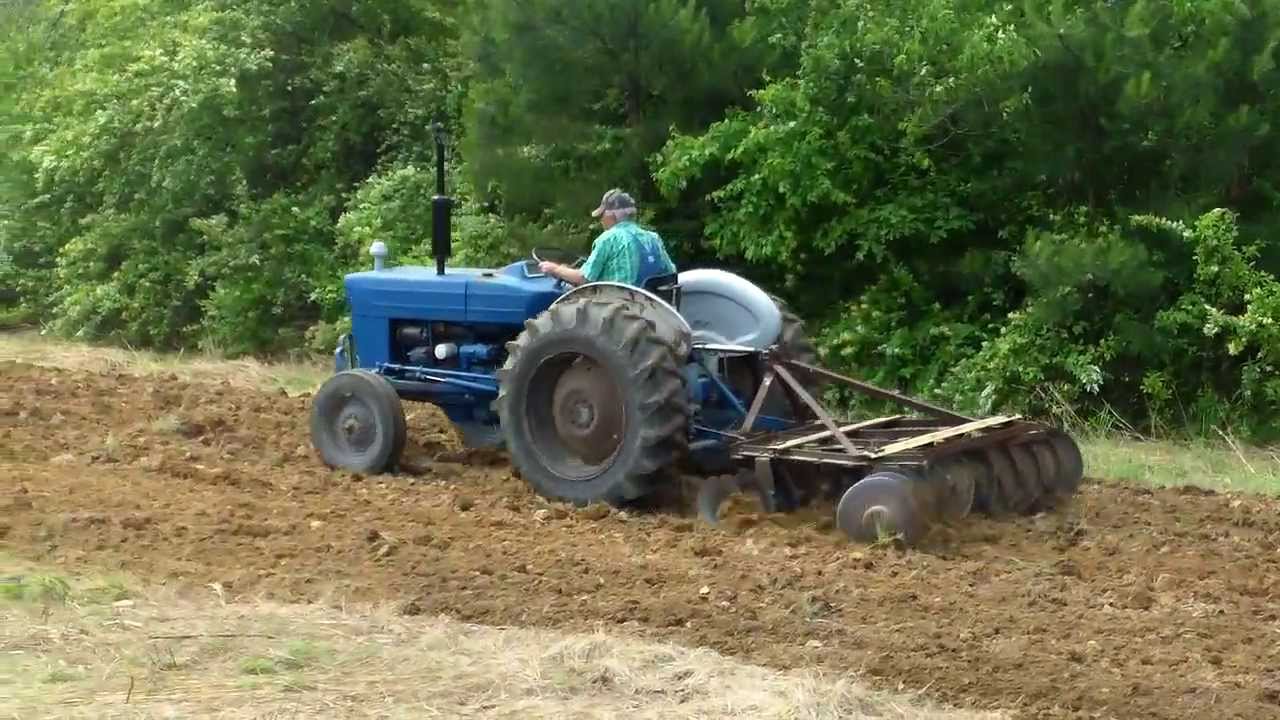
[356,428]
[587,411]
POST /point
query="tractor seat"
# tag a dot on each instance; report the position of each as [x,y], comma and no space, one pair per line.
[666,286]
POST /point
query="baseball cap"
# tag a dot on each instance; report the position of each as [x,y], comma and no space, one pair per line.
[615,199]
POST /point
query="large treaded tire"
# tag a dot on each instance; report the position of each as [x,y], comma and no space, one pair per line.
[630,362]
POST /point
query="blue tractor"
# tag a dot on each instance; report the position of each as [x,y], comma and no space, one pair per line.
[596,392]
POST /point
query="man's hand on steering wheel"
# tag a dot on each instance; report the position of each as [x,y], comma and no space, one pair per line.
[556,269]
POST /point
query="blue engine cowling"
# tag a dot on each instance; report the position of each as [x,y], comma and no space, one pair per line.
[440,338]
[504,297]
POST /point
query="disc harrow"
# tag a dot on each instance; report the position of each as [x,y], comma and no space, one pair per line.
[896,475]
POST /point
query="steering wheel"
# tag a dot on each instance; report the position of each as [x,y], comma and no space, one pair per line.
[558,256]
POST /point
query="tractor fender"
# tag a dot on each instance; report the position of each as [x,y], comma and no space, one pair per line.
[670,324]
[727,309]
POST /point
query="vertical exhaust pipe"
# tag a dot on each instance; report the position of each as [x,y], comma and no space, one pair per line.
[441,209]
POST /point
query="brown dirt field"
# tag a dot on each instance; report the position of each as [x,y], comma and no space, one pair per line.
[1130,603]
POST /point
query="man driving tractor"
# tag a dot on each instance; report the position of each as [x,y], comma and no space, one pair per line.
[623,253]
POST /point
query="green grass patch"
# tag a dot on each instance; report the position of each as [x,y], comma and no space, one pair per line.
[297,655]
[110,591]
[12,589]
[259,665]
[303,653]
[51,589]
[61,675]
[46,589]
[1214,465]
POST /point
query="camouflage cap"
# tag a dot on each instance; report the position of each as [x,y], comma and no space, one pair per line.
[615,199]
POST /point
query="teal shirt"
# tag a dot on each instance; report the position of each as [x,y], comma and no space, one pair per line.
[615,254]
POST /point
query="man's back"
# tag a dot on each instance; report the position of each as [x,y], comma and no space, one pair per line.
[623,253]
[627,253]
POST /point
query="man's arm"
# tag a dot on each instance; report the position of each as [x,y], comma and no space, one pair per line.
[589,271]
[573,276]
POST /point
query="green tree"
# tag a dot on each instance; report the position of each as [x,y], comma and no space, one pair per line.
[187,160]
[568,99]
[941,181]
[862,159]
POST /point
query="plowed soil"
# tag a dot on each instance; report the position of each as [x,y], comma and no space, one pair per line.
[1130,603]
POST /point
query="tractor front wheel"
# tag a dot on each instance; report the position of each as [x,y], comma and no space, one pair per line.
[592,403]
[357,422]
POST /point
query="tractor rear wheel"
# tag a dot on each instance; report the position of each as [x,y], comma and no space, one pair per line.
[357,422]
[592,403]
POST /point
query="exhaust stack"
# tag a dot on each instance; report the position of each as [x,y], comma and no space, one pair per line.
[441,209]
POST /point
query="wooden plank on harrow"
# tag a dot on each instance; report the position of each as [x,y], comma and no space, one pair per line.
[933,437]
[827,433]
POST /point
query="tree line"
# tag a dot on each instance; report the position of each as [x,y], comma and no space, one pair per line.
[1049,206]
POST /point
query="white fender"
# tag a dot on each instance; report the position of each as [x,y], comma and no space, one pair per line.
[726,309]
[665,317]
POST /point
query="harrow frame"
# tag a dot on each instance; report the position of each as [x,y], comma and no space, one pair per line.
[935,464]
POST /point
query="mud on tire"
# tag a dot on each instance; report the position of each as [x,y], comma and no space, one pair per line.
[592,403]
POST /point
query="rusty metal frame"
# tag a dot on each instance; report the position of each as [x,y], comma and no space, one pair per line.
[861,444]
[873,391]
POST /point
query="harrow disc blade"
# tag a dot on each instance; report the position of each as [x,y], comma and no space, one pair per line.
[984,500]
[714,491]
[988,498]
[1047,469]
[1028,475]
[878,507]
[1007,485]
[954,482]
[1070,463]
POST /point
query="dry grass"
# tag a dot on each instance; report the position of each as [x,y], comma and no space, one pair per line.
[98,650]
[294,376]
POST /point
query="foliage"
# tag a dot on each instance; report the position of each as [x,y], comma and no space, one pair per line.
[1058,207]
[1197,349]
[569,99]
[955,190]
[188,160]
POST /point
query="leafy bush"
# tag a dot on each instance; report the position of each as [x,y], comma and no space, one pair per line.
[1061,207]
[1190,346]
[185,162]
[962,196]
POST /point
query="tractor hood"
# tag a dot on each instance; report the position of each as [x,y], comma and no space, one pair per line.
[505,296]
